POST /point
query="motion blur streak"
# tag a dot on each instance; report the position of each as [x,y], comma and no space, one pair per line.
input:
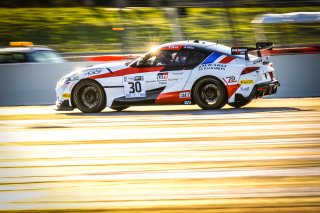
[263,158]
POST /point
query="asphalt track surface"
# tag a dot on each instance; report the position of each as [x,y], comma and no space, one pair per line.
[262,158]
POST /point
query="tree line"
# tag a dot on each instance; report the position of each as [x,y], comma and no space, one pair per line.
[155,3]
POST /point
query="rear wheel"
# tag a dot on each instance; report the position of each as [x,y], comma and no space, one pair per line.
[239,104]
[209,93]
[119,108]
[89,96]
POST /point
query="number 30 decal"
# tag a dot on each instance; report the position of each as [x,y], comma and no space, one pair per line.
[134,87]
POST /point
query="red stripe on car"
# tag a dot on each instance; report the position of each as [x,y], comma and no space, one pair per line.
[232,89]
[172,47]
[174,97]
[226,60]
[127,71]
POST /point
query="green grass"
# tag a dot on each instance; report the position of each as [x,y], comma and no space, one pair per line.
[90,29]
[71,29]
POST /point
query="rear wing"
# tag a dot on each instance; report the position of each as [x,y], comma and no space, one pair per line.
[245,50]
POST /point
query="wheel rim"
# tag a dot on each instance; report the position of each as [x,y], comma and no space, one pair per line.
[89,96]
[210,94]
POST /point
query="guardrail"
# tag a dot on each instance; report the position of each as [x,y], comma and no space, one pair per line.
[34,84]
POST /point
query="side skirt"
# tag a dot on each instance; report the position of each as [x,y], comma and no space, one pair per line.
[150,98]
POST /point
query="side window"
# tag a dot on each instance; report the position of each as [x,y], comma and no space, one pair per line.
[181,58]
[161,58]
[12,58]
[171,58]
[195,59]
[165,58]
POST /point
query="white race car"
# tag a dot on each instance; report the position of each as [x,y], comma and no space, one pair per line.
[186,72]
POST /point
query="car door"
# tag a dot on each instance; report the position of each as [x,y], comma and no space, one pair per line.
[161,71]
[140,84]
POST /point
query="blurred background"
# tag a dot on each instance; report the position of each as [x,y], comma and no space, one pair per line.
[132,26]
[264,158]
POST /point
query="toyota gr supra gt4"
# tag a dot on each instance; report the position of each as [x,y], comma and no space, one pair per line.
[186,72]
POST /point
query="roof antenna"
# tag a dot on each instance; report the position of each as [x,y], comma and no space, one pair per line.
[188,38]
[217,42]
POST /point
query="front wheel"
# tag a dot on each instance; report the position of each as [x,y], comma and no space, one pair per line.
[89,96]
[209,93]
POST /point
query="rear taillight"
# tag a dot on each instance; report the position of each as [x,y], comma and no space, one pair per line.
[249,70]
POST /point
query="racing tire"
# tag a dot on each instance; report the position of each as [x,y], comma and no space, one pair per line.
[89,96]
[119,109]
[239,104]
[209,93]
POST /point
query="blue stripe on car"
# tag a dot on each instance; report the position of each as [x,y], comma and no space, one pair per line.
[212,58]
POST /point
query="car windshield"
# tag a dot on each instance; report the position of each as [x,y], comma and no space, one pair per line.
[135,62]
[45,56]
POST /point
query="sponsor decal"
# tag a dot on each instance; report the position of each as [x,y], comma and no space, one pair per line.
[91,72]
[246,82]
[245,89]
[172,79]
[134,87]
[138,78]
[238,51]
[66,95]
[176,73]
[231,79]
[173,47]
[184,95]
[173,97]
[187,102]
[257,61]
[188,47]
[212,67]
[133,78]
[162,77]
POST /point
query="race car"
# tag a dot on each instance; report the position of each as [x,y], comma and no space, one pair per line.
[208,74]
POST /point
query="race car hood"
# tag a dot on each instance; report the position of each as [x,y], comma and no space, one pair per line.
[93,70]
